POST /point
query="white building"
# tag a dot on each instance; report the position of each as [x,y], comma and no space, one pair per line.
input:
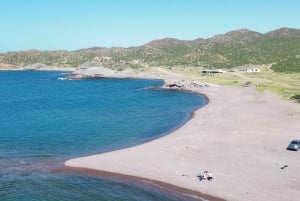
[253,70]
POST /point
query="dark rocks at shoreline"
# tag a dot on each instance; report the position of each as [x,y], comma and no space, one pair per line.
[184,84]
[175,85]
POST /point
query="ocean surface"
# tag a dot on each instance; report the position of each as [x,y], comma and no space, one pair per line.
[45,121]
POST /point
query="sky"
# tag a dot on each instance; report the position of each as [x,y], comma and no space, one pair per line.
[76,24]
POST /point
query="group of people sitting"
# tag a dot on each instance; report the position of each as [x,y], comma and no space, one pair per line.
[207,175]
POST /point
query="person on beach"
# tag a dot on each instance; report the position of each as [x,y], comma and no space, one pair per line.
[205,175]
[200,176]
[209,176]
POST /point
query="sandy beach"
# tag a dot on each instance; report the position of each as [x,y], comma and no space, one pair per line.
[240,136]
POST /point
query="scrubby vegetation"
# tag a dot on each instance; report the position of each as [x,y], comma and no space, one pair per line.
[242,47]
[296,97]
[288,66]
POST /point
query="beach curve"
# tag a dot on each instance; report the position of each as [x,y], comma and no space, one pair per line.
[228,137]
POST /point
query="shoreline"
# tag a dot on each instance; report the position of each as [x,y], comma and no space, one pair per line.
[169,188]
[167,158]
[241,136]
[35,68]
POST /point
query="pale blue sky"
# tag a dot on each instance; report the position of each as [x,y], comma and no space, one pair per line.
[75,24]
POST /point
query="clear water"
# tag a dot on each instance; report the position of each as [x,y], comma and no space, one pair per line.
[45,121]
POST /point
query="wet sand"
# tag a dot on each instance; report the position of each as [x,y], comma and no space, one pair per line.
[241,136]
[166,187]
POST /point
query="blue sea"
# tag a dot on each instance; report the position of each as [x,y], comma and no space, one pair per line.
[45,121]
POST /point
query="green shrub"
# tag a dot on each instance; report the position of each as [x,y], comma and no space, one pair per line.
[296,97]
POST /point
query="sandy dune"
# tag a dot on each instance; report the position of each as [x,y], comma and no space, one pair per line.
[240,136]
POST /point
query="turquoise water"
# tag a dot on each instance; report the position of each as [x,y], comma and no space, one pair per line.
[45,121]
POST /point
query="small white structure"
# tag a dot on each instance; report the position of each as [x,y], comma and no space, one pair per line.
[209,71]
[253,70]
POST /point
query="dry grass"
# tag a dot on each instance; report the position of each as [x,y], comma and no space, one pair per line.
[286,85]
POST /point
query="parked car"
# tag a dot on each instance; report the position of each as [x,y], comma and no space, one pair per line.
[294,145]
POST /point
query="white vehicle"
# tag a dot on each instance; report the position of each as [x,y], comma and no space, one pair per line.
[294,145]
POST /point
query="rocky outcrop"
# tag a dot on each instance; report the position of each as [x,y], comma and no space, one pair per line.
[184,84]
